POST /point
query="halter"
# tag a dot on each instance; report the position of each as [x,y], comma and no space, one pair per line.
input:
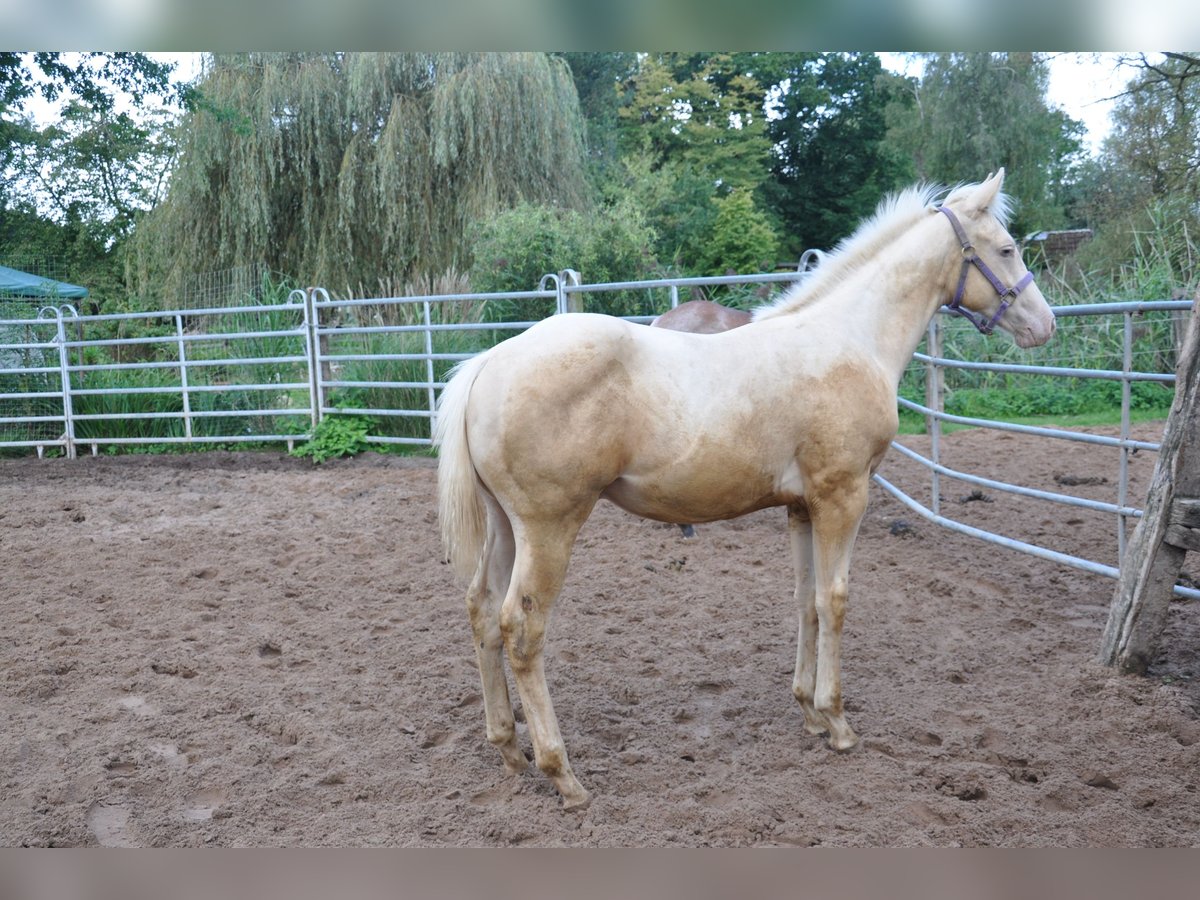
[1007,294]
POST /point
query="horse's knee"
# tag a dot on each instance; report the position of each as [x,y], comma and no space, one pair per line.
[831,607]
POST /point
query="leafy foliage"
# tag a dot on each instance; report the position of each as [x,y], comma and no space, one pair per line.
[97,167]
[345,168]
[832,159]
[701,111]
[1142,194]
[336,436]
[974,112]
[94,77]
[742,240]
[516,248]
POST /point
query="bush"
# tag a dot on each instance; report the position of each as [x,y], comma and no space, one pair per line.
[741,240]
[516,248]
[337,435]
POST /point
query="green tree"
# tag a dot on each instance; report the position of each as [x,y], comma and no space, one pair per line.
[342,169]
[676,201]
[96,166]
[600,80]
[974,112]
[514,249]
[832,160]
[1142,193]
[96,78]
[701,111]
[72,189]
[1156,127]
[741,239]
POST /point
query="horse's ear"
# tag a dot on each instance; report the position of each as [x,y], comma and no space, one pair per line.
[988,190]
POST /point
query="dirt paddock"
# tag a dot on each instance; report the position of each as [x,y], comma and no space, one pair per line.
[242,649]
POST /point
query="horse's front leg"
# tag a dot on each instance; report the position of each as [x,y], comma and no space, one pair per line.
[804,680]
[836,518]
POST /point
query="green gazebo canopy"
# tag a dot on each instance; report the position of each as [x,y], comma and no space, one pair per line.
[22,284]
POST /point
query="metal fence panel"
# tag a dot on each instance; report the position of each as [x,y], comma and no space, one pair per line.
[262,373]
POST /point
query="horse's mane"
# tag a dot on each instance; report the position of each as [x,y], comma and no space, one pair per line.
[895,214]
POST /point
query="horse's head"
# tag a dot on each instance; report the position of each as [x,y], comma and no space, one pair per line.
[994,288]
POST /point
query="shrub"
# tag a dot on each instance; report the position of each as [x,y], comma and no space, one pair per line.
[337,435]
[742,239]
[516,248]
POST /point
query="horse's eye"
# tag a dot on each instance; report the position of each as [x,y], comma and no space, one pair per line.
[1008,251]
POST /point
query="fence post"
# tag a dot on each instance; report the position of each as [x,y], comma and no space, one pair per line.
[935,390]
[1126,401]
[183,378]
[313,355]
[64,368]
[60,339]
[572,301]
[429,367]
[1169,527]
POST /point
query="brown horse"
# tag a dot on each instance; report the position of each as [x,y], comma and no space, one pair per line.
[795,409]
[702,317]
[707,317]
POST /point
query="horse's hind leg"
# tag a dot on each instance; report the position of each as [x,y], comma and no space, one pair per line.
[484,598]
[541,565]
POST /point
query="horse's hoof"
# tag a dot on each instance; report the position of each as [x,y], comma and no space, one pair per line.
[578,803]
[843,743]
[514,760]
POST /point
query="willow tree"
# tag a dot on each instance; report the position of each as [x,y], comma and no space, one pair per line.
[973,112]
[346,169]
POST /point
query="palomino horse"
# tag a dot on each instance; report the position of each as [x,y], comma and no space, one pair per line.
[795,409]
[701,317]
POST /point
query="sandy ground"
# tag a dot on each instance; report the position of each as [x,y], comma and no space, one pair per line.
[247,650]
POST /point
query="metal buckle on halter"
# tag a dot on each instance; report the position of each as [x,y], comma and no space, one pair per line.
[984,325]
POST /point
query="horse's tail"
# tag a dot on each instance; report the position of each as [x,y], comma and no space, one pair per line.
[460,507]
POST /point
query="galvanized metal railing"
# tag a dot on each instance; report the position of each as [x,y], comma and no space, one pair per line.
[935,414]
[327,356]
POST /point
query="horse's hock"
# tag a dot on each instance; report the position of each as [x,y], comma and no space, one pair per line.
[1168,529]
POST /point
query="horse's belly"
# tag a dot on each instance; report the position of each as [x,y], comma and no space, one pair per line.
[692,501]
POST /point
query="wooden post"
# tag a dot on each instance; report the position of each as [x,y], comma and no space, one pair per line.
[1170,525]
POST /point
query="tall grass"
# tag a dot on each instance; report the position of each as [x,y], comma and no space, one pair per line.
[359,363]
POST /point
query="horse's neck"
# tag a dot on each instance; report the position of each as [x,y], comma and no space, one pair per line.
[890,300]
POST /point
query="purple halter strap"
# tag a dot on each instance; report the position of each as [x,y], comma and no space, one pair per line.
[970,257]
